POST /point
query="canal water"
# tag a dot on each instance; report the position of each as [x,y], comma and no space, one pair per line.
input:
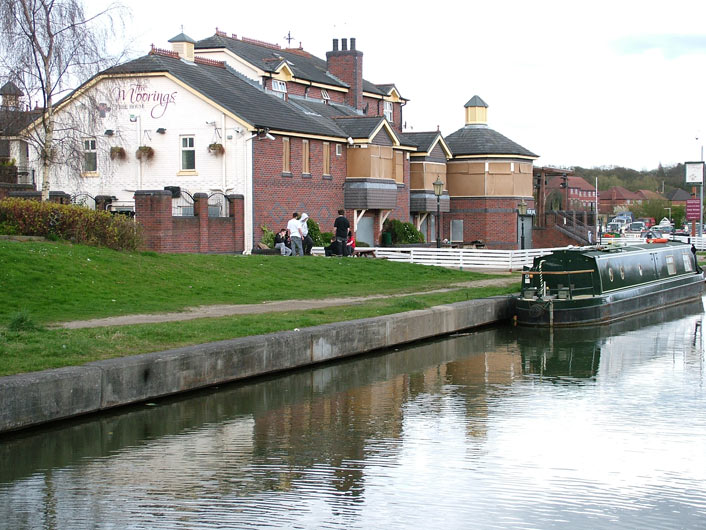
[502,428]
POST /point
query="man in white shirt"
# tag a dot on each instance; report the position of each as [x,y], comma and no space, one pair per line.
[294,227]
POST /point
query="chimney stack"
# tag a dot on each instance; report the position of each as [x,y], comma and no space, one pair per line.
[347,65]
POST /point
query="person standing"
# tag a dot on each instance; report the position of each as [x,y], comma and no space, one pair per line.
[307,242]
[341,226]
[295,235]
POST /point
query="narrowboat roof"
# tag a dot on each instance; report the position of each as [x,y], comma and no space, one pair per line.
[600,252]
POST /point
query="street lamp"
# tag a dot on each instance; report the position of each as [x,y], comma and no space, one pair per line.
[522,210]
[438,190]
[670,213]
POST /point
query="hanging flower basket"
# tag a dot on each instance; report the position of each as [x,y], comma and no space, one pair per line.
[144,152]
[117,152]
[216,149]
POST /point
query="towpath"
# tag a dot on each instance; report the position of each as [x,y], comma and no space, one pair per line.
[214,311]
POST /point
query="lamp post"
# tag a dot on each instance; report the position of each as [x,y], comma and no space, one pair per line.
[522,211]
[438,190]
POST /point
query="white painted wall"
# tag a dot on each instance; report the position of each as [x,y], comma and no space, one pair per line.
[159,102]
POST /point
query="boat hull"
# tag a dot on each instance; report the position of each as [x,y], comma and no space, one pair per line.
[610,306]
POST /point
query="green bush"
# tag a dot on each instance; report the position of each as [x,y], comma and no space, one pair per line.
[22,322]
[69,222]
[268,237]
[402,233]
[315,233]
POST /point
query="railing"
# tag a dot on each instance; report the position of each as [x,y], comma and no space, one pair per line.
[698,242]
[485,259]
[459,258]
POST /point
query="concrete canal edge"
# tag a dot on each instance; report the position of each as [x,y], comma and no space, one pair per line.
[40,397]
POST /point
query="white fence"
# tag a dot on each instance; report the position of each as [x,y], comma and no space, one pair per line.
[485,259]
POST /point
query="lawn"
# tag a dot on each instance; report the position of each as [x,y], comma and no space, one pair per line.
[45,283]
[54,282]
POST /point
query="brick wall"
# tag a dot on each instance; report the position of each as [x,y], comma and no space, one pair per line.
[491,219]
[550,238]
[198,234]
[276,195]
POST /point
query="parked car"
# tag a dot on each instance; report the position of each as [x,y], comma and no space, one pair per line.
[614,228]
[636,227]
[649,221]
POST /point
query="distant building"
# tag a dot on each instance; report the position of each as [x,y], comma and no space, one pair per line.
[678,197]
[576,195]
[618,199]
[649,195]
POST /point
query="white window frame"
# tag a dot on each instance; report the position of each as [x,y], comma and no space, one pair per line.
[279,88]
[184,147]
[90,150]
[339,149]
[389,113]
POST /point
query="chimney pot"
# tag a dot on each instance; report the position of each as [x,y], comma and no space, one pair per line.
[335,45]
[352,43]
[344,44]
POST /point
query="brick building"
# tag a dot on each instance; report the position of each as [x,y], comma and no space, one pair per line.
[288,131]
[489,176]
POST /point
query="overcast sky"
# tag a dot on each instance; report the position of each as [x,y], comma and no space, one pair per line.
[592,84]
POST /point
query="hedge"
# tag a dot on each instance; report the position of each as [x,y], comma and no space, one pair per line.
[69,222]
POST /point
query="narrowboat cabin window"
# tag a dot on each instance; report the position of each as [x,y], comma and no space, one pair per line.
[687,262]
[671,268]
[639,269]
[622,273]
[610,273]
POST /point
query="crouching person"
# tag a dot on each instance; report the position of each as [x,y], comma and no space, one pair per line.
[281,242]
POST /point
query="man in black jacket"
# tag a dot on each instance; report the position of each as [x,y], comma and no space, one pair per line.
[341,226]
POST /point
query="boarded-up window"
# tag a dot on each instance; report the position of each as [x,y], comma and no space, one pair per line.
[286,162]
[457,230]
[305,156]
[399,167]
[327,159]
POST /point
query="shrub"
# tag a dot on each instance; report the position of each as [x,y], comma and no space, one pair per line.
[70,222]
[402,233]
[22,322]
[315,233]
[268,237]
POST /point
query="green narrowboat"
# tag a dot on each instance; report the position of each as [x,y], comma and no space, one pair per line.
[591,285]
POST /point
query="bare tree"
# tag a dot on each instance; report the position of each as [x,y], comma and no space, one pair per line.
[49,47]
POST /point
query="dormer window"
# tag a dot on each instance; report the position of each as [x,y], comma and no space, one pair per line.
[279,88]
[324,94]
[388,111]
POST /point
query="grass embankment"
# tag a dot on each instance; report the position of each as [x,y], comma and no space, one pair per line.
[44,283]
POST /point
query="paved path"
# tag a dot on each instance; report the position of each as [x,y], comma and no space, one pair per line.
[212,311]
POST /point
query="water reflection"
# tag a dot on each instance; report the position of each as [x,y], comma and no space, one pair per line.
[507,427]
